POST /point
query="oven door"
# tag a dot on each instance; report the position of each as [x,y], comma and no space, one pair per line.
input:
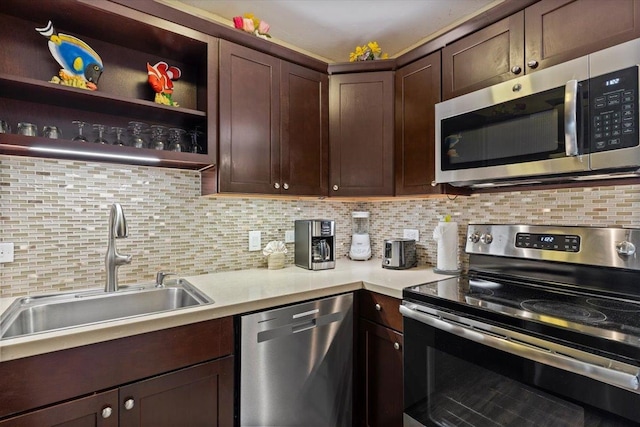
[460,371]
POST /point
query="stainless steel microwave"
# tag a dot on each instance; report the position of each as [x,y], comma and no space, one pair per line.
[573,121]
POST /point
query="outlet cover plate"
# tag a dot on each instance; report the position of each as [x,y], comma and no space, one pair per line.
[410,233]
[254,241]
[6,252]
[290,236]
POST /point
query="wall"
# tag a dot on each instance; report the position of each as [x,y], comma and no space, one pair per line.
[57,211]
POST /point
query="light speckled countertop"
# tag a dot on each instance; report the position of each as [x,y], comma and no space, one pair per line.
[234,292]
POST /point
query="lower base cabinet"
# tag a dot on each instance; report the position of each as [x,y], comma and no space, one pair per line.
[200,395]
[379,386]
[182,376]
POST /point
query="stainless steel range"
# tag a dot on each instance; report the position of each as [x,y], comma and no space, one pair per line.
[544,330]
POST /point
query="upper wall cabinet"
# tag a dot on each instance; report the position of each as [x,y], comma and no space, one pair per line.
[273,125]
[417,90]
[361,134]
[544,34]
[125,40]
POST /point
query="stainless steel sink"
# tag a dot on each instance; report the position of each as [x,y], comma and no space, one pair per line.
[36,314]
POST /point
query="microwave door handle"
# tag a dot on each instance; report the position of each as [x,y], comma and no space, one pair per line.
[571,118]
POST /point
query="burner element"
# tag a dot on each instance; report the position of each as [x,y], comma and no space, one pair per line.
[564,310]
[614,305]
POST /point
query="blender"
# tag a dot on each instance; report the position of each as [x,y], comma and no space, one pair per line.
[360,243]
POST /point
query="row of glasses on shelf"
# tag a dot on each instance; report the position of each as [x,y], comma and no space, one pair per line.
[135,135]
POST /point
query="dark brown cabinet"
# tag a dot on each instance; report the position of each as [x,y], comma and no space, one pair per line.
[196,396]
[544,34]
[123,94]
[273,125]
[379,386]
[176,376]
[417,90]
[98,410]
[361,134]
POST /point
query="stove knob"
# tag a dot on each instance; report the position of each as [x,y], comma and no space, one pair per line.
[475,237]
[486,238]
[625,248]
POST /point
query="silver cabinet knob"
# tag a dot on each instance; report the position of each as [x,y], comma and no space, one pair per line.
[129,404]
[396,346]
[532,64]
[335,188]
[106,412]
[486,238]
[378,307]
[516,69]
[276,185]
[285,186]
[516,87]
[625,248]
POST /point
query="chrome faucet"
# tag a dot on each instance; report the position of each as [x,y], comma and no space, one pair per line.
[117,230]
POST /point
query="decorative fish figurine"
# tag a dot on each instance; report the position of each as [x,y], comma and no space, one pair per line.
[81,65]
[161,78]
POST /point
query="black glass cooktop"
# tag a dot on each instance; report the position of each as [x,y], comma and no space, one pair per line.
[614,319]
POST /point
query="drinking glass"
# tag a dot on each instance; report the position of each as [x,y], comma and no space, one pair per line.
[52,132]
[4,127]
[195,145]
[80,136]
[118,131]
[175,139]
[157,136]
[136,129]
[100,130]
[28,129]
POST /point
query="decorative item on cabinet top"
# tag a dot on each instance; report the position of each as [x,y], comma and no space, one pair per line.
[81,65]
[368,52]
[250,24]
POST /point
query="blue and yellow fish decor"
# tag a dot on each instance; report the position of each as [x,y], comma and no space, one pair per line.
[81,65]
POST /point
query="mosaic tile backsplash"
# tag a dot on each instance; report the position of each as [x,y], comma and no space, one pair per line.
[56,213]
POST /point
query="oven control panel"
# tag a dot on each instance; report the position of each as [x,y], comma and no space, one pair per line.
[596,246]
[547,241]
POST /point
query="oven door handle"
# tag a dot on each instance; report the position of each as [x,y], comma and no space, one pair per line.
[624,376]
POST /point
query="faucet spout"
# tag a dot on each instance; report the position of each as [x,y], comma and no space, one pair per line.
[117,230]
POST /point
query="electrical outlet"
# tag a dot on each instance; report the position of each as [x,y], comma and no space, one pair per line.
[412,234]
[290,236]
[6,252]
[254,241]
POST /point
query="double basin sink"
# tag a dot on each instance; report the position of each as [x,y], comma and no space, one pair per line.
[36,314]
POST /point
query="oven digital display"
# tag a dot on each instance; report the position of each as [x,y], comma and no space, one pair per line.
[549,242]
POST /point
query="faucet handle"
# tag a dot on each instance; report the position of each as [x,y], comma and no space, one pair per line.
[160,276]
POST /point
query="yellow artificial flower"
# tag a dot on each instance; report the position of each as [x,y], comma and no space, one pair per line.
[256,21]
[374,47]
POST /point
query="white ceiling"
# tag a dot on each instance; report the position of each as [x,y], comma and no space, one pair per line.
[331,29]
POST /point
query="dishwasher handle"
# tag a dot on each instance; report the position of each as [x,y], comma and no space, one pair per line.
[301,326]
[624,376]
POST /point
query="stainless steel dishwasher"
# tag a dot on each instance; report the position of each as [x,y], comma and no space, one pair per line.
[296,365]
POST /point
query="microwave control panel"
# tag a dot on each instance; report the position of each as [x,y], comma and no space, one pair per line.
[613,110]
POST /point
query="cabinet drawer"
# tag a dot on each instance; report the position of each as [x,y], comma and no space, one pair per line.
[380,309]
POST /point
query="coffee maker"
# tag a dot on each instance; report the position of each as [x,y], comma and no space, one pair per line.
[315,244]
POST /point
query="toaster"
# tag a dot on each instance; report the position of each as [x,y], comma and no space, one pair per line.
[399,254]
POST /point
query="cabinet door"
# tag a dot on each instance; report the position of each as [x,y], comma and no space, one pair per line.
[489,56]
[305,131]
[201,395]
[561,30]
[98,410]
[249,160]
[417,92]
[361,134]
[380,387]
